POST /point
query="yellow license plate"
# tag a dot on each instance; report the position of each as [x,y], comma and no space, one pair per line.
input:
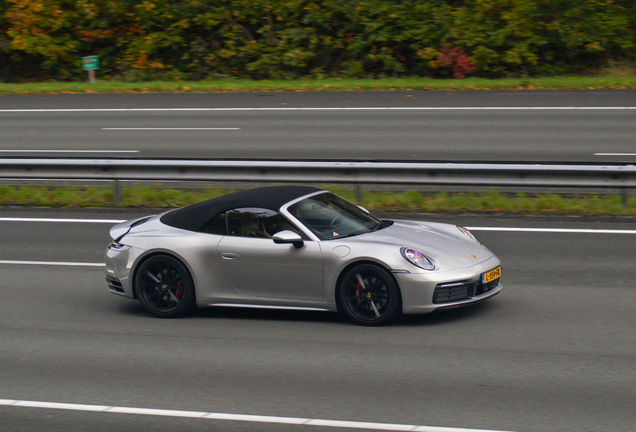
[491,275]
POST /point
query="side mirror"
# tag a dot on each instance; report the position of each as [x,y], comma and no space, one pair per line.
[288,237]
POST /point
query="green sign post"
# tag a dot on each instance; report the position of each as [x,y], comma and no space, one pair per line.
[90,64]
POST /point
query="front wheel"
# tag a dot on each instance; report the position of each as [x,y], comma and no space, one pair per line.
[165,287]
[369,295]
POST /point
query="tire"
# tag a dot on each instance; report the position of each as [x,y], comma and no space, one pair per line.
[164,287]
[369,295]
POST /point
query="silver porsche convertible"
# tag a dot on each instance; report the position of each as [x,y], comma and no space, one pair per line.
[296,247]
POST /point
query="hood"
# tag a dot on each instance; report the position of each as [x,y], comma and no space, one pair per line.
[445,244]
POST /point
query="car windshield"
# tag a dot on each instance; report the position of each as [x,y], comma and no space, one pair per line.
[330,217]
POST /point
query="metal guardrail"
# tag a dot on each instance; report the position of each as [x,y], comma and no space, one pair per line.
[622,177]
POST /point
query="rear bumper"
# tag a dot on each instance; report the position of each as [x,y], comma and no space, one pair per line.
[118,270]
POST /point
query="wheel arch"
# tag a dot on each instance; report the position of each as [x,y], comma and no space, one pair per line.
[147,256]
[353,264]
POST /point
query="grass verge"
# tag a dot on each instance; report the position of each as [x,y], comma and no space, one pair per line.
[144,196]
[332,84]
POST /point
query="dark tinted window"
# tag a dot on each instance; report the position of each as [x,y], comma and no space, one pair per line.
[256,222]
[216,226]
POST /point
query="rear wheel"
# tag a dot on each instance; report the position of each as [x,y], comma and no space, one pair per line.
[369,295]
[165,287]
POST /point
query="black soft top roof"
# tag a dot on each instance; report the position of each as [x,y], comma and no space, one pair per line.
[193,217]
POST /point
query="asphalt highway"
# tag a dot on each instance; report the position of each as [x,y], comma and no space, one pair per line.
[554,351]
[594,126]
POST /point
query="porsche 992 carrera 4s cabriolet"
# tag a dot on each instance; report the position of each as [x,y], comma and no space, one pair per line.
[296,247]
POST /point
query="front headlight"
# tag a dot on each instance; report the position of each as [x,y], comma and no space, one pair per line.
[416,258]
[469,234]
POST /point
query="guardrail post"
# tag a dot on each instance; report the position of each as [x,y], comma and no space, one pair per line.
[358,194]
[117,190]
[625,194]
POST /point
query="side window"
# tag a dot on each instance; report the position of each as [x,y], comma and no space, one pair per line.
[256,222]
[216,225]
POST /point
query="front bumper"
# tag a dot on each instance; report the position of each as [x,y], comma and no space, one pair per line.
[426,292]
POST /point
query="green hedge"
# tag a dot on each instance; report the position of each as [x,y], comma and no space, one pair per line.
[195,39]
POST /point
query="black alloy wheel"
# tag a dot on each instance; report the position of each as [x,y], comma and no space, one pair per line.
[369,295]
[165,287]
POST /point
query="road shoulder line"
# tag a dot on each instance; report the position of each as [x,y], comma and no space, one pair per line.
[234,417]
[52,263]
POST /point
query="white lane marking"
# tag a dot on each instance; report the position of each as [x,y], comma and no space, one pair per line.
[69,151]
[553,230]
[104,221]
[171,129]
[52,263]
[614,154]
[234,417]
[566,108]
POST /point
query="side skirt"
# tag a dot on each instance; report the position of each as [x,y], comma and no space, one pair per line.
[253,306]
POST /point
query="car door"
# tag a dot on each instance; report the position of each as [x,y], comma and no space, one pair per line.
[256,266]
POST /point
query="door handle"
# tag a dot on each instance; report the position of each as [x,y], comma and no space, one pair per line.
[229,255]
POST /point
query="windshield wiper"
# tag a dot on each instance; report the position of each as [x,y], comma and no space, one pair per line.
[383,224]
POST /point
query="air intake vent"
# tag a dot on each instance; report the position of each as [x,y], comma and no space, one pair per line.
[114,285]
[456,291]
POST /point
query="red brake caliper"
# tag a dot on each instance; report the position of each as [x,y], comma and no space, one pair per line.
[179,292]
